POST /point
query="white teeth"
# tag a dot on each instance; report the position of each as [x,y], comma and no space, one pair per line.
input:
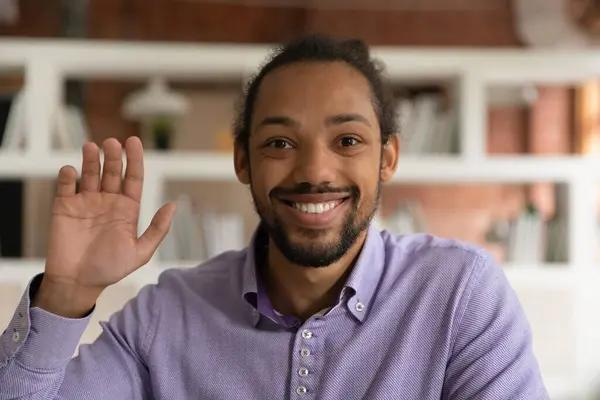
[316,208]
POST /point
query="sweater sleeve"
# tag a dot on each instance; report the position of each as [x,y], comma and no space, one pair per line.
[37,348]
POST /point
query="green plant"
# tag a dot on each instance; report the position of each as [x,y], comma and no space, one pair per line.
[162,129]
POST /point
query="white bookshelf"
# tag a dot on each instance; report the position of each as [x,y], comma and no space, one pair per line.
[48,63]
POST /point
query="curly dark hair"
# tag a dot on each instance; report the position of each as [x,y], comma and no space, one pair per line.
[311,48]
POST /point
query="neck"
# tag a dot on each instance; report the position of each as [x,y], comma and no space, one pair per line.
[304,291]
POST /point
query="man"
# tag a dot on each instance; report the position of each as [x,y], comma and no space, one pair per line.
[319,306]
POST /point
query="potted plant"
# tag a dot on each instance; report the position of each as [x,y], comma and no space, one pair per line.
[162,129]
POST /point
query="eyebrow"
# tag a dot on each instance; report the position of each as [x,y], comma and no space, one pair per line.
[278,120]
[343,118]
[333,120]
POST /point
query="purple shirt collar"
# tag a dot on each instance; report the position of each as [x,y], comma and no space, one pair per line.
[359,288]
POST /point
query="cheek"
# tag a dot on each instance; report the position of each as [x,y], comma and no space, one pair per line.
[266,176]
[365,177]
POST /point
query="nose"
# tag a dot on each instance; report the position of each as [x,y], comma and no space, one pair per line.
[315,165]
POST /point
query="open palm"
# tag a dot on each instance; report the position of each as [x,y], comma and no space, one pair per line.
[93,235]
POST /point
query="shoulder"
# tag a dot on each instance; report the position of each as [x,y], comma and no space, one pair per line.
[451,254]
[447,266]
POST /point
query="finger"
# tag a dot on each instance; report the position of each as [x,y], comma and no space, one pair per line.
[134,173]
[113,166]
[156,232]
[90,168]
[67,181]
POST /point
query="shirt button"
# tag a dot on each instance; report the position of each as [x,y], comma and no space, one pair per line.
[305,352]
[302,372]
[301,390]
[16,337]
[306,334]
[360,307]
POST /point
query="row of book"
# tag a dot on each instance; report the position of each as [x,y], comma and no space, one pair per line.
[526,239]
[426,127]
[197,234]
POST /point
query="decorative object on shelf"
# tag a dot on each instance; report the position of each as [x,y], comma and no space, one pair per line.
[162,130]
[157,108]
[558,23]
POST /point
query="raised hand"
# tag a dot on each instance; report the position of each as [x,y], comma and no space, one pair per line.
[93,236]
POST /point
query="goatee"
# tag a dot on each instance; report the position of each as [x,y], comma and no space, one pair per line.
[317,253]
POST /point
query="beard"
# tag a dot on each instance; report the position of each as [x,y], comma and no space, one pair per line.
[316,253]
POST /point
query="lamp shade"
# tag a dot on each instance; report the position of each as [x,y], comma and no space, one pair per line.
[155,99]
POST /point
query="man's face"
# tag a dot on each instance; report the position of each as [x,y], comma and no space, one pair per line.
[314,160]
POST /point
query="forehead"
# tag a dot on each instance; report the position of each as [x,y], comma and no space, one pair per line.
[315,88]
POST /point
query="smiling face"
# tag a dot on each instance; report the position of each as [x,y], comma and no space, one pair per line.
[315,160]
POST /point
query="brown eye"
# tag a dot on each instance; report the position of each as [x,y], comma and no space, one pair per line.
[279,144]
[348,141]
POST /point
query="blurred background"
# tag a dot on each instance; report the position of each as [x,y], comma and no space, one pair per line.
[503,156]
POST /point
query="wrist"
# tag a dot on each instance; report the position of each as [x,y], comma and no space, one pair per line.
[65,299]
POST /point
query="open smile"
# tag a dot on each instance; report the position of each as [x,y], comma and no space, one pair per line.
[313,214]
[315,208]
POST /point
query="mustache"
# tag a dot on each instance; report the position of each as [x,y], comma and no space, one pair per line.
[307,188]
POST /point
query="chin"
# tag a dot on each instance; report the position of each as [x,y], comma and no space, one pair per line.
[310,235]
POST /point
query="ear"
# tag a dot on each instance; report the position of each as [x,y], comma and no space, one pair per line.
[240,161]
[389,158]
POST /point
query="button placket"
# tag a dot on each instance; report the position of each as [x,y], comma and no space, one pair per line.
[302,372]
[305,361]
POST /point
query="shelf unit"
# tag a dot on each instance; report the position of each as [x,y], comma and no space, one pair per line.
[48,63]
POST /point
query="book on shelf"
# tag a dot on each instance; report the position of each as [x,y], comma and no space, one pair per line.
[526,238]
[184,240]
[426,127]
[223,232]
[530,239]
[197,235]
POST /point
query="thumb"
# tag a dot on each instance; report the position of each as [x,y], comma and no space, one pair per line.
[155,233]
